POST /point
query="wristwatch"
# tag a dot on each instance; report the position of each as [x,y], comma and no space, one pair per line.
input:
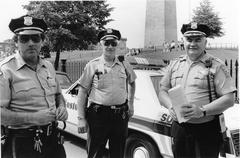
[80,118]
[203,111]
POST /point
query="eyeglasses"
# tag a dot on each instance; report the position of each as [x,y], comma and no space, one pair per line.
[25,38]
[112,42]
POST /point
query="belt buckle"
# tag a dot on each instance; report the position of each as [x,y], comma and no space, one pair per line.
[113,107]
[49,129]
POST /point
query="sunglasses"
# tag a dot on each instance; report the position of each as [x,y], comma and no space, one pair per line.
[25,38]
[112,42]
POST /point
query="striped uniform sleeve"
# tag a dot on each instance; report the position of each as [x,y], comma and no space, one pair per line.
[223,81]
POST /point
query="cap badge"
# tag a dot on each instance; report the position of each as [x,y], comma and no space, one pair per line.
[109,30]
[193,25]
[28,20]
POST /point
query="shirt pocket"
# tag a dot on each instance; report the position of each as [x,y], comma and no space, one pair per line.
[122,79]
[25,90]
[200,80]
[176,79]
[52,85]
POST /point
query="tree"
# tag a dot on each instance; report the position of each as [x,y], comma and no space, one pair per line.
[72,24]
[205,14]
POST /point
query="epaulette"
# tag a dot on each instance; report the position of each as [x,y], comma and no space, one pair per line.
[218,60]
[93,60]
[7,59]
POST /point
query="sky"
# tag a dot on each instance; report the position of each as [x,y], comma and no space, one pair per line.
[129,18]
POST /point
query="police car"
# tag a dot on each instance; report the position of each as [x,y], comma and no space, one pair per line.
[149,128]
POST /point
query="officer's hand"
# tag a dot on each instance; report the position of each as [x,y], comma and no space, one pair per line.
[82,126]
[191,111]
[61,113]
[130,113]
[42,117]
[172,113]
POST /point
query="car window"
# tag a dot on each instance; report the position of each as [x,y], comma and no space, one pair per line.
[74,90]
[156,82]
[64,81]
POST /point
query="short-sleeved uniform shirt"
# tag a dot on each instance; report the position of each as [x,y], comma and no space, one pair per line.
[25,90]
[193,77]
[107,84]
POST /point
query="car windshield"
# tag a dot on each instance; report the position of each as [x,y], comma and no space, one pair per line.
[64,81]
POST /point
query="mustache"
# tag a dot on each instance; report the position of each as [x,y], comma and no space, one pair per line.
[110,49]
[31,48]
[192,47]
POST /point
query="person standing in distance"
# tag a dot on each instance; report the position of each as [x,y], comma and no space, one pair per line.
[209,90]
[109,86]
[31,100]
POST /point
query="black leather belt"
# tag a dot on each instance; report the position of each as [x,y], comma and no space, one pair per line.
[28,132]
[111,106]
[115,108]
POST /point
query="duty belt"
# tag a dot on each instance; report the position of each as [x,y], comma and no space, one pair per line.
[115,108]
[47,130]
[38,133]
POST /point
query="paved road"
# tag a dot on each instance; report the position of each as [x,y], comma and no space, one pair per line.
[74,146]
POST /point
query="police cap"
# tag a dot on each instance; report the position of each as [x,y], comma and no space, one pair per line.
[27,25]
[109,34]
[195,29]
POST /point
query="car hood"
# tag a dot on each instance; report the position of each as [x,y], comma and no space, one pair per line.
[232,117]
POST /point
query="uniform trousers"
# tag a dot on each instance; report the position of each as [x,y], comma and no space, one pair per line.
[196,140]
[106,124]
[20,144]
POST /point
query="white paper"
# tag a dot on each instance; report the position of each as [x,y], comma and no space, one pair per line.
[178,99]
[222,123]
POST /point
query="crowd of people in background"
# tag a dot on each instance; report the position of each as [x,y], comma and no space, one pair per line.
[170,46]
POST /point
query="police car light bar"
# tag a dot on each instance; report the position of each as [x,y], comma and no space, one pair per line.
[144,63]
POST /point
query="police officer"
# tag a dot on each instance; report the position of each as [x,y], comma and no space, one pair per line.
[208,88]
[109,84]
[31,100]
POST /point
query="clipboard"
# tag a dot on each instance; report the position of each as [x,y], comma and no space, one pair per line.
[178,99]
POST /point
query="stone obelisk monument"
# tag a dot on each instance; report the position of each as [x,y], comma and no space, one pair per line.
[161,22]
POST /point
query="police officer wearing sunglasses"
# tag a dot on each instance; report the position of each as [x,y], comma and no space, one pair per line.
[109,86]
[31,100]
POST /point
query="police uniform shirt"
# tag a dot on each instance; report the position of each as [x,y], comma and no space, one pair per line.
[193,77]
[107,84]
[24,90]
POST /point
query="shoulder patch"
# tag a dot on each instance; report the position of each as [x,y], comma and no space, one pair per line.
[225,70]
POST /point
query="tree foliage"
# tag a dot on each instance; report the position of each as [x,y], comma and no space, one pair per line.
[205,14]
[72,24]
